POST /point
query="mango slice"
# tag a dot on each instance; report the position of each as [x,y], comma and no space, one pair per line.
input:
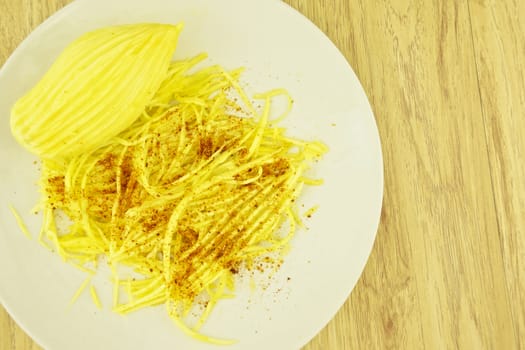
[98,87]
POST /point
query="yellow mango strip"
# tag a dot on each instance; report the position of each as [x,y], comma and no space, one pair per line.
[95,297]
[20,222]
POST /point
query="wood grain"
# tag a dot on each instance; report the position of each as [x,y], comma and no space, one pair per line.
[499,31]
[446,80]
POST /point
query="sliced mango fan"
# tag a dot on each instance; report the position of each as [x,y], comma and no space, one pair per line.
[164,168]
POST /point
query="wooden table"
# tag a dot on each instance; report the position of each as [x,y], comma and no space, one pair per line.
[446,80]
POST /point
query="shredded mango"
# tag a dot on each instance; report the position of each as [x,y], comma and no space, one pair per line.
[311,211]
[20,222]
[80,289]
[95,297]
[200,185]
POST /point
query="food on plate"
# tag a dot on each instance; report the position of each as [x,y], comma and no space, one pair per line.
[194,186]
[96,88]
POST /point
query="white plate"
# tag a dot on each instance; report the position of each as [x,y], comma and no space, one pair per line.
[280,48]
